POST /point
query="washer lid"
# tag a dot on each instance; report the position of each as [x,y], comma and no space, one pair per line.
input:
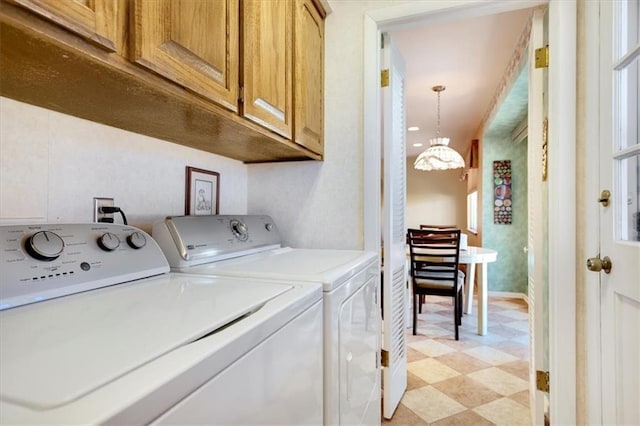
[54,352]
[329,267]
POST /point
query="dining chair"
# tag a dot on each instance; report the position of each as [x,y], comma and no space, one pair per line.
[434,258]
[461,267]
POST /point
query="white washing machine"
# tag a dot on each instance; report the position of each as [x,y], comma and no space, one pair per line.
[95,329]
[250,246]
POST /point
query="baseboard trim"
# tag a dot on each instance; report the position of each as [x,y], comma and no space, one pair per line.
[510,294]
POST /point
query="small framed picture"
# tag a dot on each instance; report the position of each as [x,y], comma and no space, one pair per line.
[202,192]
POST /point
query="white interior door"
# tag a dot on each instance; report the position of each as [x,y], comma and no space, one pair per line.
[620,220]
[394,375]
[537,212]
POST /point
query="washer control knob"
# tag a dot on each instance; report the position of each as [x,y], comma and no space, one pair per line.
[109,241]
[136,240]
[44,245]
[268,227]
[239,229]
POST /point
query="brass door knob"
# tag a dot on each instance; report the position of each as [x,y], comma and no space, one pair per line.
[596,264]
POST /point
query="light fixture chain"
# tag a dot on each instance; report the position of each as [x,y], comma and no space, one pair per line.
[438,128]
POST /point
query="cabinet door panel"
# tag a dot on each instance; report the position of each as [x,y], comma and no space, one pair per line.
[191,42]
[309,71]
[101,21]
[267,30]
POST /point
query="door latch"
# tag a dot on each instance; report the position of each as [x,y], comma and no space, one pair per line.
[604,197]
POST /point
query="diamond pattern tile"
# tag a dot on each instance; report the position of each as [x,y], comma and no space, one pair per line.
[490,355]
[467,391]
[431,370]
[478,380]
[439,406]
[462,362]
[505,412]
[431,347]
[499,381]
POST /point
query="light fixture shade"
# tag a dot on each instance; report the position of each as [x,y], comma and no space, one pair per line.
[439,157]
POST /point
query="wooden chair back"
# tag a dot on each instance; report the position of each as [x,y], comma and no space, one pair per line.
[435,254]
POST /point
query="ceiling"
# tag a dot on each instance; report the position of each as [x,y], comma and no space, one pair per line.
[469,57]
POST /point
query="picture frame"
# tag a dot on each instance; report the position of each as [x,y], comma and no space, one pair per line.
[202,192]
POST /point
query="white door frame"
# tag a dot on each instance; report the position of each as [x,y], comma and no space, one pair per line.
[538,87]
[562,164]
[562,211]
[589,242]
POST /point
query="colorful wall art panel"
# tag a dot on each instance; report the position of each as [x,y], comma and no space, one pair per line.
[502,208]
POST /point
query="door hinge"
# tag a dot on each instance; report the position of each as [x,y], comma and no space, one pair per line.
[542,381]
[384,358]
[542,57]
[241,96]
[384,78]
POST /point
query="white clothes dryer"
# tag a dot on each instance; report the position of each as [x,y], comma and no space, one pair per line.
[250,246]
[95,329]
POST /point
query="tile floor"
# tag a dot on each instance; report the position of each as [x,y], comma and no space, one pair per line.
[478,380]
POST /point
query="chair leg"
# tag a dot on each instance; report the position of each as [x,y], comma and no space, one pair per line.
[459,301]
[455,314]
[415,313]
[420,302]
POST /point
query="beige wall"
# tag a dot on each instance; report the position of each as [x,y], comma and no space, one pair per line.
[435,198]
[52,165]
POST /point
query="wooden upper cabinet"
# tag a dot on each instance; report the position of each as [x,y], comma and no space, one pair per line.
[191,42]
[309,76]
[268,53]
[101,21]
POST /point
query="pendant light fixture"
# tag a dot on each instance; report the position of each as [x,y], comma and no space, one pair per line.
[439,156]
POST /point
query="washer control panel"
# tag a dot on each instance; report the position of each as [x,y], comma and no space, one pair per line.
[194,240]
[41,261]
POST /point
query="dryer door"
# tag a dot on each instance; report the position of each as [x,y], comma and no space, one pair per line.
[359,331]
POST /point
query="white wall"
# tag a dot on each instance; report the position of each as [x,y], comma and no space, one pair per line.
[435,198]
[52,165]
[321,203]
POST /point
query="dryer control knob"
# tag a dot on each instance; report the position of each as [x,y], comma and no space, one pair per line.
[45,245]
[136,240]
[109,241]
[239,229]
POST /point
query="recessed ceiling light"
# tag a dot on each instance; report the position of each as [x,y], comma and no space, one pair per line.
[413,128]
[417,145]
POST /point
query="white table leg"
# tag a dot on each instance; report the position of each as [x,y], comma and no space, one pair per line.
[482,300]
[471,278]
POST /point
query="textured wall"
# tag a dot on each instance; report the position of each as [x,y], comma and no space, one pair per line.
[52,165]
[509,272]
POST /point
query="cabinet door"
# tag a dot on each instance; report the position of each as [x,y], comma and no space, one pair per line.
[268,54]
[191,42]
[309,76]
[101,21]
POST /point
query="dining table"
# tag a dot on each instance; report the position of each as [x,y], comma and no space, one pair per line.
[472,256]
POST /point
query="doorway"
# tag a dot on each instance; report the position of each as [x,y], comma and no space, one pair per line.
[563,164]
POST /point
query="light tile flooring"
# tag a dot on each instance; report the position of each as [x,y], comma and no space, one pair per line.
[478,380]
